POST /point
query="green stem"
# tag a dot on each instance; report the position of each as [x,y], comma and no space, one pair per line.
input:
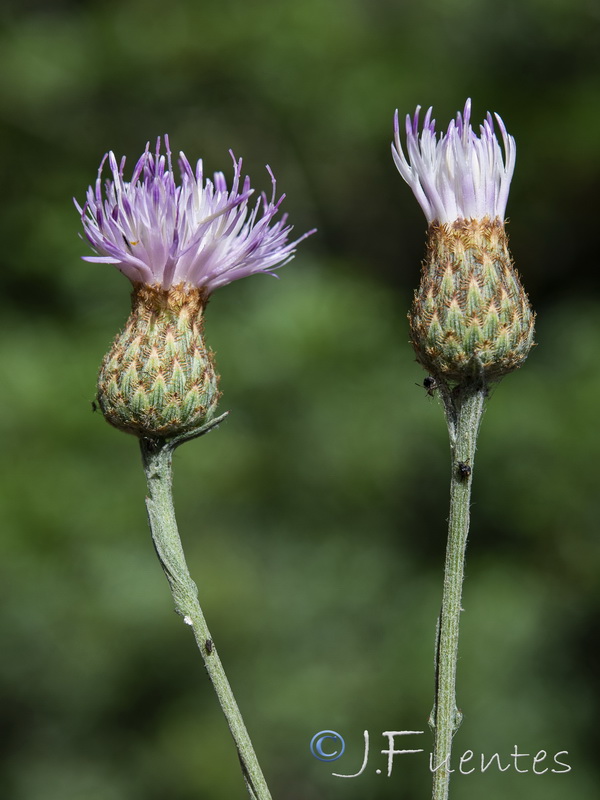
[157,458]
[464,408]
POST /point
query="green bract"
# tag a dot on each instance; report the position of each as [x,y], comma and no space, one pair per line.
[470,316]
[158,380]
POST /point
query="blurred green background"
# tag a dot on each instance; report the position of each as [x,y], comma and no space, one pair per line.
[314,519]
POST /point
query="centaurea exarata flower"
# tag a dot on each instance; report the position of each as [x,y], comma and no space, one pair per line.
[177,243]
[470,316]
[470,323]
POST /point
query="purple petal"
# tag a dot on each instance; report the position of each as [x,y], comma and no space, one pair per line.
[460,175]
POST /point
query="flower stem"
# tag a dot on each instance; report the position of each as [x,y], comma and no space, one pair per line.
[464,407]
[157,459]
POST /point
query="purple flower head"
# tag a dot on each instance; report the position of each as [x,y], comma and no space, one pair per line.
[197,232]
[459,175]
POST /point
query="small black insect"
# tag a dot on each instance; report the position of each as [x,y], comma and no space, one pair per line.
[208,646]
[94,405]
[464,470]
[430,385]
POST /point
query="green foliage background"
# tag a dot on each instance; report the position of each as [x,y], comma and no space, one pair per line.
[314,519]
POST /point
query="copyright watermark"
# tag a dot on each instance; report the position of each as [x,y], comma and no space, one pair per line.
[330,745]
[327,746]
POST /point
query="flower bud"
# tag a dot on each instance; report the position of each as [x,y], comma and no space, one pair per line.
[471,317]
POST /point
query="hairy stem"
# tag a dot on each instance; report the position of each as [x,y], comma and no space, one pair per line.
[464,408]
[157,458]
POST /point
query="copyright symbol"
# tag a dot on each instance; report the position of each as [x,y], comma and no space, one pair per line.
[327,746]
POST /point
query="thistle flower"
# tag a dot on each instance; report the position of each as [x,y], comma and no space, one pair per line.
[470,316]
[176,243]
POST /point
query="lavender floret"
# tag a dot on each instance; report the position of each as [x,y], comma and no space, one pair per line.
[197,232]
[459,175]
